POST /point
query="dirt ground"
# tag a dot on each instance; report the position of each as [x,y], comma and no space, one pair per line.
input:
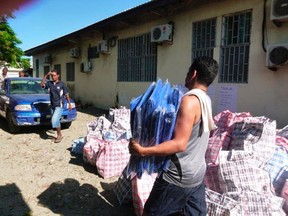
[39,177]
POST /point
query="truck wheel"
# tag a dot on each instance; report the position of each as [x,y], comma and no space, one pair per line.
[12,128]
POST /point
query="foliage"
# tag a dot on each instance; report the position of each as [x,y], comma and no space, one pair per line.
[25,63]
[10,54]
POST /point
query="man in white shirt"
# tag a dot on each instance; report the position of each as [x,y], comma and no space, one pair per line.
[3,76]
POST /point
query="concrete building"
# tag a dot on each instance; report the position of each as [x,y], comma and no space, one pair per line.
[117,58]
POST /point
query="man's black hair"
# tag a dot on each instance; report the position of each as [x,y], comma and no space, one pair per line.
[207,69]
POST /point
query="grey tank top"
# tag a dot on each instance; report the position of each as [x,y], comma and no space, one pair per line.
[187,169]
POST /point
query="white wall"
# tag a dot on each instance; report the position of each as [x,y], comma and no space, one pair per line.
[264,94]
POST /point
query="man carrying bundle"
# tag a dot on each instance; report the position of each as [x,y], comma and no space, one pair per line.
[180,188]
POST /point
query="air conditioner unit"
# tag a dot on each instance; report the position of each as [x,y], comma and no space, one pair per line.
[75,52]
[102,46]
[277,55]
[47,59]
[279,10]
[86,67]
[162,33]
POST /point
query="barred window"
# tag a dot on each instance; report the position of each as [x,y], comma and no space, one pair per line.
[46,69]
[58,68]
[37,68]
[137,59]
[234,59]
[203,38]
[70,71]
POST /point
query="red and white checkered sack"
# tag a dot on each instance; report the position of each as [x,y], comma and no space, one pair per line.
[216,141]
[141,189]
[258,204]
[112,157]
[256,135]
[211,179]
[220,205]
[90,150]
[123,188]
[242,175]
[284,194]
[221,137]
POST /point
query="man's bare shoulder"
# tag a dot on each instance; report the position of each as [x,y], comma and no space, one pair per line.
[190,106]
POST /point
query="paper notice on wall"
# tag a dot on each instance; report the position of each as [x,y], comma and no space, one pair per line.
[227,98]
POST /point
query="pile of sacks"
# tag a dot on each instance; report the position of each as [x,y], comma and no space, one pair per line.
[247,166]
[106,143]
[247,169]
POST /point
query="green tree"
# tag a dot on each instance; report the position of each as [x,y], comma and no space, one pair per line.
[10,54]
[25,63]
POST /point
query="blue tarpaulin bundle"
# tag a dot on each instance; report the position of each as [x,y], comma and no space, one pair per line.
[153,117]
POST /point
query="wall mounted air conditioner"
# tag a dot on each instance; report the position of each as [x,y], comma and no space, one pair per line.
[86,67]
[162,33]
[103,46]
[277,55]
[47,59]
[75,52]
[279,10]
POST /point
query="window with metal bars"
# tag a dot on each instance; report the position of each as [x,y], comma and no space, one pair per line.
[70,71]
[234,58]
[46,69]
[58,68]
[203,38]
[137,59]
[37,68]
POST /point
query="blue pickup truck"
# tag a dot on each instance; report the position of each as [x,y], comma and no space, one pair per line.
[24,103]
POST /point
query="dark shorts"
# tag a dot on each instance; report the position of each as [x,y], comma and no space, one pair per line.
[168,199]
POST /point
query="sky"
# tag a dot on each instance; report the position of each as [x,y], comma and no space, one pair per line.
[45,20]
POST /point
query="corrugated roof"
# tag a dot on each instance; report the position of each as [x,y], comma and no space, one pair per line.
[138,15]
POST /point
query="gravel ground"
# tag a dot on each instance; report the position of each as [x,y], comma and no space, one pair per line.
[39,177]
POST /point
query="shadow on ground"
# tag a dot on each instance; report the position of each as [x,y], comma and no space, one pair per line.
[71,198]
[12,202]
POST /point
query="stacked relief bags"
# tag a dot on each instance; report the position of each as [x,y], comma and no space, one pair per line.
[107,142]
[238,154]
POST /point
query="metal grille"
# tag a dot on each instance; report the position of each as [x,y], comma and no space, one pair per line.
[42,107]
[58,68]
[70,71]
[234,60]
[137,59]
[203,38]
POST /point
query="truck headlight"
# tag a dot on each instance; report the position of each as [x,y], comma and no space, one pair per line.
[23,107]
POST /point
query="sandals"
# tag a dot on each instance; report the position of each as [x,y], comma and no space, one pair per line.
[58,140]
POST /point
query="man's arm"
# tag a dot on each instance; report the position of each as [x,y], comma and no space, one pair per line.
[69,103]
[44,79]
[189,113]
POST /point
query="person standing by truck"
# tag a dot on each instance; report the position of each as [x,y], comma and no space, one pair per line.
[57,90]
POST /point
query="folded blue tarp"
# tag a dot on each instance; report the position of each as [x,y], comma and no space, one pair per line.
[153,117]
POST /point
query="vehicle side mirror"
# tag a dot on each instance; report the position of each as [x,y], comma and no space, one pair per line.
[2,91]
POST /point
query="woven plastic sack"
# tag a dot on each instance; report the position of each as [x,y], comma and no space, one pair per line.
[141,189]
[112,157]
[284,194]
[242,175]
[211,179]
[220,205]
[258,204]
[277,167]
[123,188]
[255,134]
